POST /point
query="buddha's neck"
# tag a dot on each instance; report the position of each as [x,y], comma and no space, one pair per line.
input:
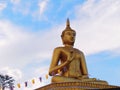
[67,45]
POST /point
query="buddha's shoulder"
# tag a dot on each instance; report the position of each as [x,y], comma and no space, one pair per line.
[59,48]
[78,50]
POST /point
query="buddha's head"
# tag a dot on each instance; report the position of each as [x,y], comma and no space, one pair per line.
[68,35]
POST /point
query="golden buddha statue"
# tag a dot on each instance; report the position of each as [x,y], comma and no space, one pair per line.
[68,63]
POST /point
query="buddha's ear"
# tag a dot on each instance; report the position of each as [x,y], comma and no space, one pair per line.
[62,36]
[62,39]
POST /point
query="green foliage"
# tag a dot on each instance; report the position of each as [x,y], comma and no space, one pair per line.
[6,81]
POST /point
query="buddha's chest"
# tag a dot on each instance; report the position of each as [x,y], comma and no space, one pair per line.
[70,53]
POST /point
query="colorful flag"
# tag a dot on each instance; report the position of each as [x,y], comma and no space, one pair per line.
[46,76]
[33,81]
[18,85]
[59,71]
[53,73]
[64,69]
[40,79]
[25,84]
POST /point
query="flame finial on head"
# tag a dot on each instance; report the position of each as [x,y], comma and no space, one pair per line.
[68,26]
[68,22]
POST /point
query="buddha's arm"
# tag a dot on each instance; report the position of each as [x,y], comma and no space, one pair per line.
[54,67]
[55,60]
[83,65]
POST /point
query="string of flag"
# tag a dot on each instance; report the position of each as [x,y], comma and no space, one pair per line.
[26,83]
[33,81]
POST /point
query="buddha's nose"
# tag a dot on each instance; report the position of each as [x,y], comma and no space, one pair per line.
[73,38]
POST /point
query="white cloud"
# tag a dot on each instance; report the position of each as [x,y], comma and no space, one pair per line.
[3,5]
[15,1]
[15,73]
[97,25]
[39,13]
[11,39]
[42,6]
[42,71]
[21,7]
[19,48]
[35,9]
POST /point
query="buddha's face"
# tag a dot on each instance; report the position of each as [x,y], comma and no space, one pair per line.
[69,37]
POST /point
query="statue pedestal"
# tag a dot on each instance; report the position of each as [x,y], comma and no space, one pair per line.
[76,86]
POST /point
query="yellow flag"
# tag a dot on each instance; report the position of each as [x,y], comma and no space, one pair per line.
[33,81]
[18,85]
[59,71]
[46,76]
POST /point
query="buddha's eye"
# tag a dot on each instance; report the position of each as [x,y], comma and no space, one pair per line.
[71,33]
[68,33]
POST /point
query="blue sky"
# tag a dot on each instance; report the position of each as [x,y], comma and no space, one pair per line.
[31,29]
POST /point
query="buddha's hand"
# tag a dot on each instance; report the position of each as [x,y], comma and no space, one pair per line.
[71,56]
